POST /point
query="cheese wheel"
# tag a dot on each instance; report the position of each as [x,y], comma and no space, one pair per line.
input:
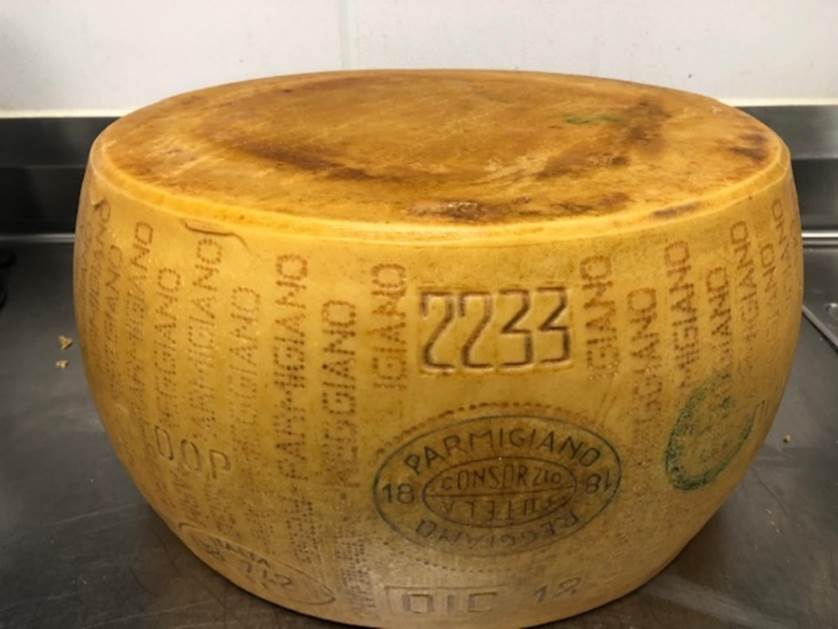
[429,348]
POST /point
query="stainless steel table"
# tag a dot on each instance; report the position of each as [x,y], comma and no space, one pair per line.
[80,548]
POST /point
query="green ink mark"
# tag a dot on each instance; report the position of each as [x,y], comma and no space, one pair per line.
[592,119]
[708,433]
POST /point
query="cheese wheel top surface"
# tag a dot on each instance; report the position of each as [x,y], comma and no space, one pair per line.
[412,151]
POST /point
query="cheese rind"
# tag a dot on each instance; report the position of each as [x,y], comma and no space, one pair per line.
[446,154]
[380,400]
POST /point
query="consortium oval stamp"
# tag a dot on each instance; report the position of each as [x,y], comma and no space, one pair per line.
[708,433]
[265,576]
[496,484]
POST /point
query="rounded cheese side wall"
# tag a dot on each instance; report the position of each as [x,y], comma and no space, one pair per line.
[311,416]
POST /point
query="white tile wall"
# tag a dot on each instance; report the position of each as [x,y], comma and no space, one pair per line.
[71,55]
[118,54]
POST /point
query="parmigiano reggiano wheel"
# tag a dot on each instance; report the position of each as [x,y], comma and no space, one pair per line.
[429,348]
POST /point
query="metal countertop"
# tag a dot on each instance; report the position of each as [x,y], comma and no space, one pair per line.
[79,547]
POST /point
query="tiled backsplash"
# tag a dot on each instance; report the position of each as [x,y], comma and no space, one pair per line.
[72,57]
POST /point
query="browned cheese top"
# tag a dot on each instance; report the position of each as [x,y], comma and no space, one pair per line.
[419,150]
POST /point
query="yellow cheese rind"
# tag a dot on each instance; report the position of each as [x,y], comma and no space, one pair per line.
[468,413]
[411,154]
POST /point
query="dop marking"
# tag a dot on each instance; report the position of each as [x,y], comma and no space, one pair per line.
[500,484]
[709,432]
[268,578]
